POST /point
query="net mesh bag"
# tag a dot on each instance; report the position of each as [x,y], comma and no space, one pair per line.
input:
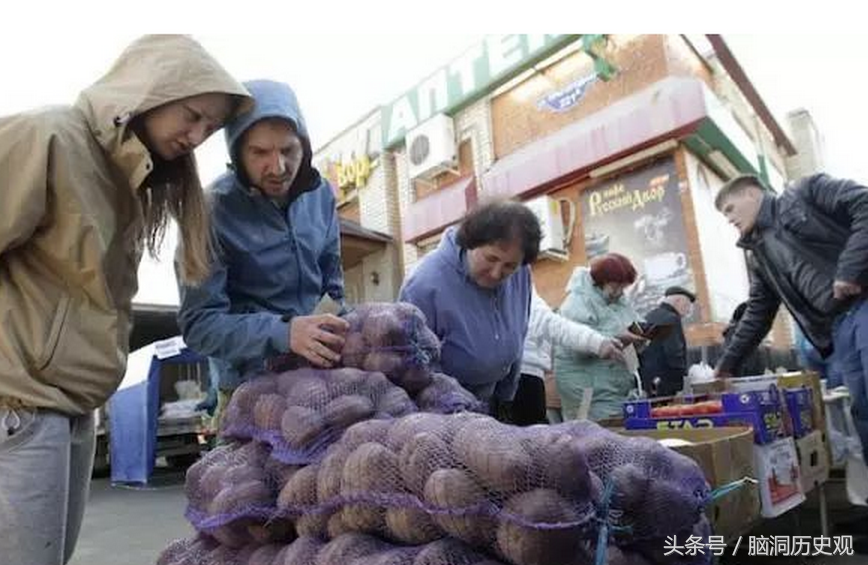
[445,395]
[653,492]
[347,549]
[392,339]
[524,494]
[191,551]
[232,495]
[300,413]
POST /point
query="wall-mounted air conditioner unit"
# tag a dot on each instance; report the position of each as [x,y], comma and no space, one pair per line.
[431,148]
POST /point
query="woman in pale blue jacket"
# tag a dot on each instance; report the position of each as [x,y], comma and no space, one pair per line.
[586,383]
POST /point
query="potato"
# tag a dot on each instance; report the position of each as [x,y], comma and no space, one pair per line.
[454,489]
[446,395]
[246,395]
[268,413]
[301,426]
[259,533]
[413,378]
[397,556]
[287,380]
[421,456]
[364,432]
[428,340]
[404,429]
[371,467]
[601,451]
[630,487]
[502,466]
[302,551]
[387,362]
[344,411]
[212,481]
[346,547]
[312,525]
[366,518]
[264,555]
[411,526]
[243,473]
[597,488]
[377,383]
[193,478]
[309,391]
[355,349]
[449,552]
[531,546]
[331,469]
[395,402]
[346,380]
[300,492]
[238,497]
[564,467]
[335,526]
[279,473]
[232,535]
[382,328]
[408,311]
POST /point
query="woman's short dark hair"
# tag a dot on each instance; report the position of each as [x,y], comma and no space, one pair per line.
[501,221]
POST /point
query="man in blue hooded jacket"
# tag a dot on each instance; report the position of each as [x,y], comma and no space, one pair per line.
[277,240]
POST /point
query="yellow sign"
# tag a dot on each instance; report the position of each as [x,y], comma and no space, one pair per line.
[353,174]
[616,197]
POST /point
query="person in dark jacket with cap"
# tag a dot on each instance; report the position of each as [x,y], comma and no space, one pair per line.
[663,363]
[808,249]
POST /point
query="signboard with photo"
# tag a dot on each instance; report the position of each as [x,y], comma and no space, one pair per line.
[639,215]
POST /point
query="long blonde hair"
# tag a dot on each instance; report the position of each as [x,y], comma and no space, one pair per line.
[174,190]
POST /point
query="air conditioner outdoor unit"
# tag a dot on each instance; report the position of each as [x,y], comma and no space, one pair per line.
[555,235]
[431,147]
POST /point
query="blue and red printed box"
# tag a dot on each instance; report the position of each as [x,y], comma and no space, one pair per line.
[759,409]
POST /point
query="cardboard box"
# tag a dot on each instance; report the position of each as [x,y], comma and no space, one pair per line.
[811,380]
[725,455]
[777,466]
[760,409]
[800,410]
[813,460]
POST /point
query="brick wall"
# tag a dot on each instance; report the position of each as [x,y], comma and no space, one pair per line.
[473,135]
[641,61]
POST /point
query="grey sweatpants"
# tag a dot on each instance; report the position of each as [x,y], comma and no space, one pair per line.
[46,460]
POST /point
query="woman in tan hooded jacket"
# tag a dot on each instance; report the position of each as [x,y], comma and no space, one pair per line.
[83,189]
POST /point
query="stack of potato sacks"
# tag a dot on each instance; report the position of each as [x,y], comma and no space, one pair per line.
[386,462]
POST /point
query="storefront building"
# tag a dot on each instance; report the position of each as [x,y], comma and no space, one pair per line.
[618,142]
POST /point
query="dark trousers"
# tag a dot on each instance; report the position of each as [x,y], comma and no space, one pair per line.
[529,406]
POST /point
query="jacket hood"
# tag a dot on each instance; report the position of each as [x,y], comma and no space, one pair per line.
[152,71]
[451,252]
[273,100]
